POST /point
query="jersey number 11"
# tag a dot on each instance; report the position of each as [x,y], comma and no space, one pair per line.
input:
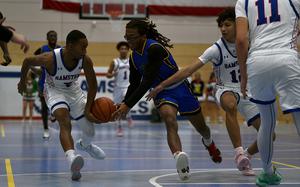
[262,19]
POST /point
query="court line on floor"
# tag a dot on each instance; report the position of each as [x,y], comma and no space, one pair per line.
[93,172]
[156,184]
[223,183]
[9,173]
[283,164]
[2,131]
[132,171]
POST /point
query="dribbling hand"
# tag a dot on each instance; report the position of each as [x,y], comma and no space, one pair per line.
[121,112]
[7,60]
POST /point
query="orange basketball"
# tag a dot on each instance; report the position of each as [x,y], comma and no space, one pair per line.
[102,109]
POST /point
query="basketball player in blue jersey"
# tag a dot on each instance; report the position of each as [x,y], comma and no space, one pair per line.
[64,97]
[52,44]
[266,41]
[222,54]
[150,64]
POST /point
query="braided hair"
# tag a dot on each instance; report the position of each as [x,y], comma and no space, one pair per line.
[146,26]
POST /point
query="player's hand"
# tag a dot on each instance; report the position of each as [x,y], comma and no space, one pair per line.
[154,92]
[90,117]
[121,112]
[21,87]
[7,60]
[244,86]
[25,46]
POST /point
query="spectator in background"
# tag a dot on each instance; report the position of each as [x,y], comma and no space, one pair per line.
[29,94]
[197,85]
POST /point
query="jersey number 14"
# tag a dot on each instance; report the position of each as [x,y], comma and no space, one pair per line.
[262,19]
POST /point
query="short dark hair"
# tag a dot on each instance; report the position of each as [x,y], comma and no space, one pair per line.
[226,14]
[74,36]
[122,43]
[51,31]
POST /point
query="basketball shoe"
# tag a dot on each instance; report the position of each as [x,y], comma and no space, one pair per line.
[93,150]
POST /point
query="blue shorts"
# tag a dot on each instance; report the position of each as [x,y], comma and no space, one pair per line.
[181,97]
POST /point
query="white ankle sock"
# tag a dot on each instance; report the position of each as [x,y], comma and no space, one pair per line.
[247,153]
[208,141]
[176,153]
[239,150]
[70,154]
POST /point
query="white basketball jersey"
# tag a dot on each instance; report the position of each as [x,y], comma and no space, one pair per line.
[273,24]
[63,78]
[122,75]
[227,71]
[226,67]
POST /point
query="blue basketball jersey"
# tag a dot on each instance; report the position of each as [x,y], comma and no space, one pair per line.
[178,95]
[167,69]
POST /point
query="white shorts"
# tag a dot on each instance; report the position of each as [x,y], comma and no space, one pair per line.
[269,75]
[119,94]
[245,107]
[73,99]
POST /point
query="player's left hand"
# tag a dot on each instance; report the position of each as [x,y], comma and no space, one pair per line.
[154,92]
[121,112]
[7,60]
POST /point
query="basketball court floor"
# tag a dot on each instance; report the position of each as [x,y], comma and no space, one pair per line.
[139,159]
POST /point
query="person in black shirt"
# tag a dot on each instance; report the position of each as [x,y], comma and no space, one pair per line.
[7,34]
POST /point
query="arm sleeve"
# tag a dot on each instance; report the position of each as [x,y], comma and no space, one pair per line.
[134,80]
[212,54]
[156,55]
[240,9]
[5,34]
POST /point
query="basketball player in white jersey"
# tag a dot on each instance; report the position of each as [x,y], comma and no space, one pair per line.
[267,53]
[222,54]
[64,97]
[119,69]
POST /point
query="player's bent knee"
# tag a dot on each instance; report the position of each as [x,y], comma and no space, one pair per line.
[231,107]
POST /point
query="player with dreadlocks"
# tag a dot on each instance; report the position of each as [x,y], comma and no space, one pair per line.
[150,64]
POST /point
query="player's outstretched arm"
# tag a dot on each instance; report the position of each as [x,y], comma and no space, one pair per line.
[177,77]
[110,71]
[92,88]
[44,60]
